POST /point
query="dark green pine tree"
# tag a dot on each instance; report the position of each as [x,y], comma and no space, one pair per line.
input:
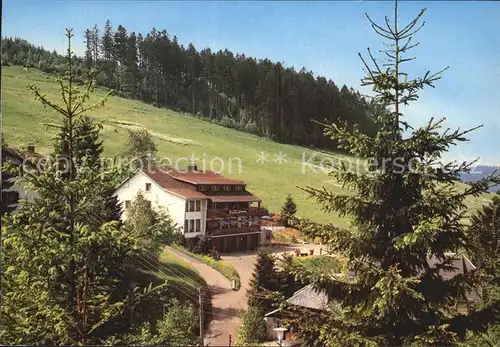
[120,54]
[67,287]
[9,197]
[89,57]
[114,207]
[485,232]
[404,208]
[61,141]
[96,43]
[286,280]
[107,42]
[288,209]
[88,146]
[107,47]
[131,66]
[88,152]
[263,279]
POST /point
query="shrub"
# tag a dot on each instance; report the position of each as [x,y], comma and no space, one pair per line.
[149,228]
[287,235]
[253,327]
[225,268]
[252,128]
[321,264]
[201,247]
[228,122]
[263,279]
[179,326]
[276,236]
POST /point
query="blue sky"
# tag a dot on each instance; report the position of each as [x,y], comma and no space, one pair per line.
[325,37]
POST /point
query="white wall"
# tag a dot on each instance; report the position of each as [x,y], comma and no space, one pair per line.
[201,215]
[160,198]
[18,185]
[128,191]
[23,194]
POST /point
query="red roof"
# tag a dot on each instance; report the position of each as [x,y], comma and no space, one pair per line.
[166,181]
[203,177]
[24,156]
[176,183]
[174,186]
[187,193]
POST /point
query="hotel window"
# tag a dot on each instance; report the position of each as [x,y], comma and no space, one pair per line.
[198,206]
[191,225]
[227,188]
[148,187]
[191,206]
[215,188]
[202,188]
[198,225]
[238,188]
[186,230]
[127,204]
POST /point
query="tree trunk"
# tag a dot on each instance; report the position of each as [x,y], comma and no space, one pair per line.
[192,92]
[209,98]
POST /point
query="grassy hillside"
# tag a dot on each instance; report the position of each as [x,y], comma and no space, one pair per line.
[176,135]
[182,279]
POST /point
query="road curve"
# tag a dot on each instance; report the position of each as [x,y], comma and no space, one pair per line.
[227,305]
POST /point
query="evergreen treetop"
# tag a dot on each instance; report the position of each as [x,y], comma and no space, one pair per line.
[405,208]
[289,208]
[263,278]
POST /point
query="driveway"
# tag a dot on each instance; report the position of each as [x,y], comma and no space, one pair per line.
[228,305]
[244,262]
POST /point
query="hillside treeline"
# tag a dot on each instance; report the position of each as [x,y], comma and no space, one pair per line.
[256,96]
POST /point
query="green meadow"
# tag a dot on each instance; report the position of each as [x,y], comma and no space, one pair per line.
[271,170]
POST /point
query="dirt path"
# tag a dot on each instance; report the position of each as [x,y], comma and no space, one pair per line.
[227,305]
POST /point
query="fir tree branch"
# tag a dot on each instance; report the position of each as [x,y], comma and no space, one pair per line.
[478,321]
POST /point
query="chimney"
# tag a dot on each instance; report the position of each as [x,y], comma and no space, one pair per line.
[31,147]
[192,167]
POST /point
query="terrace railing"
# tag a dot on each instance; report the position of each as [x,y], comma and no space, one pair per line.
[233,230]
[222,213]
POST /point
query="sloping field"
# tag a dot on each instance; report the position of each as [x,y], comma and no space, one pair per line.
[272,170]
